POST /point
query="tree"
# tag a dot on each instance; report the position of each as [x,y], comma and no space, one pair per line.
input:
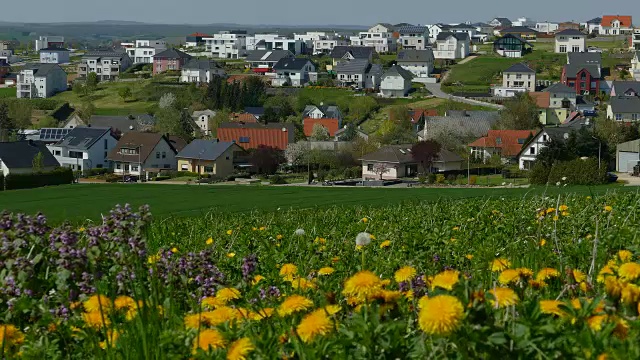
[6,125]
[350,133]
[266,159]
[213,96]
[215,121]
[124,93]
[297,153]
[256,91]
[553,152]
[86,111]
[425,153]
[380,169]
[174,122]
[167,100]
[20,113]
[519,113]
[79,89]
[320,133]
[92,82]
[38,162]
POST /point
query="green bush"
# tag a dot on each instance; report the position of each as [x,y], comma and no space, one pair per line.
[473,180]
[162,177]
[277,180]
[37,104]
[422,179]
[432,178]
[578,172]
[539,174]
[58,176]
[98,171]
[440,179]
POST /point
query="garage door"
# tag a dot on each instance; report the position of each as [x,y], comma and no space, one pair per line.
[626,161]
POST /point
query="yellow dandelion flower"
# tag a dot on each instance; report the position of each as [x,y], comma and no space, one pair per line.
[604,272]
[174,250]
[373,237]
[525,272]
[279,237]
[576,304]
[622,328]
[10,336]
[264,313]
[455,228]
[363,285]
[408,294]
[96,303]
[254,228]
[209,339]
[625,255]
[124,302]
[112,336]
[81,229]
[219,316]
[326,271]
[303,284]
[314,325]
[584,287]
[239,349]
[629,271]
[385,244]
[294,303]
[579,276]
[613,286]
[228,294]
[231,254]
[547,273]
[211,302]
[365,220]
[542,242]
[608,208]
[596,322]
[556,218]
[469,257]
[551,307]
[503,297]
[405,273]
[229,232]
[152,259]
[288,271]
[588,197]
[630,294]
[209,241]
[335,259]
[257,279]
[445,280]
[440,315]
[96,319]
[500,264]
[262,228]
[508,276]
[563,208]
[550,210]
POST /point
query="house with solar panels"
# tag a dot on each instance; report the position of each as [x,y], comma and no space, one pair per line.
[49,135]
[84,148]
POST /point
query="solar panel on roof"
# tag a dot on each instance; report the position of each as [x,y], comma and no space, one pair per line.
[53,134]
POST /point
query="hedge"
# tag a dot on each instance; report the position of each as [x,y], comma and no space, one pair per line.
[59,176]
[38,104]
[574,172]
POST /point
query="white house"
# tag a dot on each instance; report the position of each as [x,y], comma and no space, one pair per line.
[523,21]
[16,157]
[635,65]
[571,40]
[547,27]
[624,108]
[294,72]
[419,62]
[108,65]
[592,26]
[40,81]
[396,82]
[84,148]
[54,56]
[44,42]
[530,151]
[394,162]
[379,37]
[516,79]
[325,46]
[272,42]
[414,37]
[634,44]
[616,25]
[144,50]
[435,30]
[561,96]
[202,118]
[452,46]
[227,44]
[200,71]
[142,154]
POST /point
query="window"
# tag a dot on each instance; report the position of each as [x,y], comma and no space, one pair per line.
[244,139]
[498,140]
[157,154]
[184,167]
[164,155]
[583,85]
[370,167]
[518,76]
[106,144]
[532,150]
[208,169]
[521,141]
[134,167]
[618,117]
[563,48]
[75,154]
[544,138]
[118,166]
[634,117]
[56,152]
[106,154]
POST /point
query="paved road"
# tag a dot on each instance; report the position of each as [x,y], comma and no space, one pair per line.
[631,180]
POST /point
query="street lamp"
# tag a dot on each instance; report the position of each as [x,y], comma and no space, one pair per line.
[599,152]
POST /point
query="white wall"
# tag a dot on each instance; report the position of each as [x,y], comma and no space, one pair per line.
[394,86]
[570,44]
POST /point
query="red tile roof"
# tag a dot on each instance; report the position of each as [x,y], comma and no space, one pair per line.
[250,136]
[625,21]
[331,124]
[244,118]
[417,114]
[511,141]
[200,35]
[542,99]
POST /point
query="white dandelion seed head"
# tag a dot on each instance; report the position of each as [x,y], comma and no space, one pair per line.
[558,183]
[299,232]
[564,178]
[363,239]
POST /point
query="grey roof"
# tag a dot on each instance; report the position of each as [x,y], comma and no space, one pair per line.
[597,20]
[267,55]
[254,110]
[401,154]
[412,55]
[622,86]
[42,69]
[387,25]
[515,36]
[472,124]
[83,138]
[462,26]
[54,49]
[584,58]
[625,104]
[358,52]
[123,123]
[445,35]
[204,149]
[291,64]
[196,64]
[412,29]
[374,68]
[108,54]
[559,134]
[519,68]
[397,70]
[172,54]
[573,69]
[571,32]
[330,111]
[559,88]
[504,21]
[203,112]
[20,154]
[356,66]
[518,29]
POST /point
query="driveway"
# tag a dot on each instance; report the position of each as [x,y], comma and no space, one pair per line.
[631,180]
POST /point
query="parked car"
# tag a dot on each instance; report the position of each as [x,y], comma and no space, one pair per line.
[611,177]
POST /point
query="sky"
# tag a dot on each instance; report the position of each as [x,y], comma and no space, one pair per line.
[306,12]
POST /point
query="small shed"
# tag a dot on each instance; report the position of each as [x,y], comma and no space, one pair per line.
[627,156]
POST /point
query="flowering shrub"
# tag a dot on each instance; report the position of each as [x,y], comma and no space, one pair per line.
[530,278]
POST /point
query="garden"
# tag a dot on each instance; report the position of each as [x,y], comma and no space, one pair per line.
[535,276]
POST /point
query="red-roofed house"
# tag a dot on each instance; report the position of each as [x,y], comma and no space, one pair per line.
[252,135]
[616,25]
[418,117]
[506,143]
[243,118]
[327,116]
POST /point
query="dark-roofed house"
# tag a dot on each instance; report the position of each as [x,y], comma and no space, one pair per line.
[461,124]
[625,88]
[512,46]
[571,40]
[262,61]
[118,124]
[518,78]
[340,53]
[142,154]
[358,73]
[624,108]
[396,82]
[170,59]
[40,81]
[108,65]
[419,62]
[414,37]
[84,148]
[251,136]
[328,116]
[210,157]
[583,72]
[530,150]
[452,46]
[200,71]
[294,72]
[500,22]
[523,32]
[393,162]
[54,56]
[561,96]
[17,157]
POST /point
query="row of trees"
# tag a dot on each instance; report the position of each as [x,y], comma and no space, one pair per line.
[14,116]
[234,96]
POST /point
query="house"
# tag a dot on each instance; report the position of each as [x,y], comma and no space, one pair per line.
[196,40]
[262,61]
[530,150]
[44,42]
[625,88]
[171,59]
[227,44]
[592,26]
[414,37]
[398,162]
[118,124]
[144,50]
[256,111]
[358,73]
[436,29]
[177,142]
[524,33]
[469,29]
[419,62]
[504,143]
[243,118]
[396,82]
[340,134]
[251,136]
[200,71]
[347,53]
[624,108]
[516,79]
[40,81]
[271,42]
[501,22]
[523,21]
[512,46]
[548,115]
[202,119]
[452,46]
[547,27]
[418,117]
[142,154]
[294,72]
[463,123]
[54,56]
[627,156]
[634,43]
[568,25]
[326,45]
[561,96]
[329,117]
[571,40]
[616,25]
[17,157]
[379,37]
[84,148]
[583,72]
[108,65]
[210,157]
